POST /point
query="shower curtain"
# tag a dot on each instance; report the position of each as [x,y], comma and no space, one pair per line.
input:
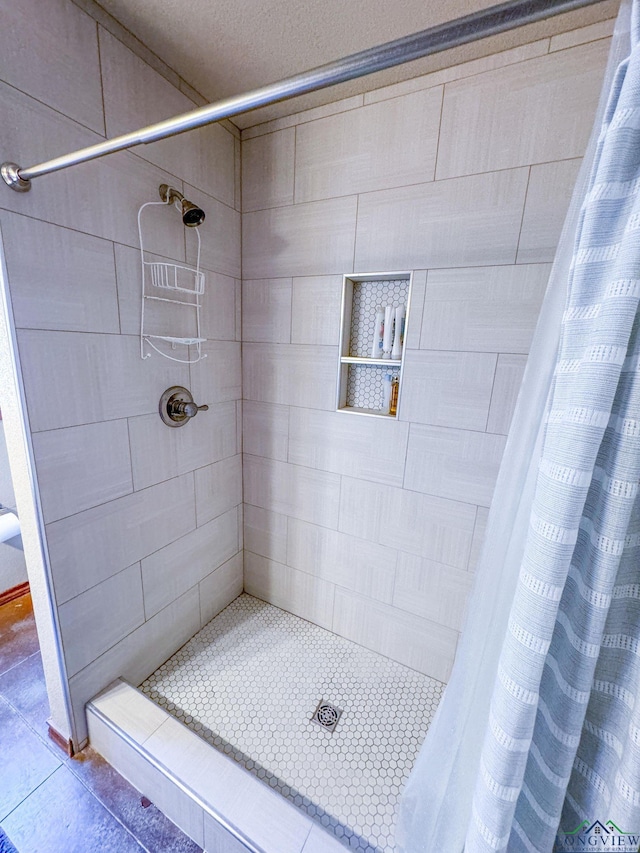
[537,740]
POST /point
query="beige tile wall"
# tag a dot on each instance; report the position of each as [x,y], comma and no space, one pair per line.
[143,522]
[371,528]
[367,526]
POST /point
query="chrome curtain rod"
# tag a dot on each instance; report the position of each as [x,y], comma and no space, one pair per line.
[489,22]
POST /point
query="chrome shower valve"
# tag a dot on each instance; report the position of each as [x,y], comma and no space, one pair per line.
[177,406]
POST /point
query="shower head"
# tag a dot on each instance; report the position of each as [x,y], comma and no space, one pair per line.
[192,215]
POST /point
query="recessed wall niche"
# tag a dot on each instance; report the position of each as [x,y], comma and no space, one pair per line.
[365,381]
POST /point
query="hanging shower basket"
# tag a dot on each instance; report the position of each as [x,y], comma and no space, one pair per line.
[176,276]
[179,285]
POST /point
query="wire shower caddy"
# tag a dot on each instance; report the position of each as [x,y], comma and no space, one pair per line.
[178,279]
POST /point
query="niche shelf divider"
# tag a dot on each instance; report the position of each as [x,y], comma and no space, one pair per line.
[361,378]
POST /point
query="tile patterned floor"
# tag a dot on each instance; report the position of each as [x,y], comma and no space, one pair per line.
[249,682]
[50,803]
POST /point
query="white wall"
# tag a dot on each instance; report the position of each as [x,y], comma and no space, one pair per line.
[143,523]
[13,570]
[366,526]
[7,496]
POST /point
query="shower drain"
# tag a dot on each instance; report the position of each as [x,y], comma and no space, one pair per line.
[326,715]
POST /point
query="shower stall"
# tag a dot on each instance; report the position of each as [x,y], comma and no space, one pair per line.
[256,614]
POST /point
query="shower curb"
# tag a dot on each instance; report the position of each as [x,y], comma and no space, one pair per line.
[217,803]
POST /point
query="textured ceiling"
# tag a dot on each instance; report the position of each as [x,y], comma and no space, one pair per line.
[226,47]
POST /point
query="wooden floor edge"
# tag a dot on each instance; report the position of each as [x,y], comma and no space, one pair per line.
[63,742]
[13,593]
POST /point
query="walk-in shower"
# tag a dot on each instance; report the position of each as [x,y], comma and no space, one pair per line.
[322,731]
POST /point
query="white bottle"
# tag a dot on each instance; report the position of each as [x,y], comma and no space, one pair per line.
[378,332]
[387,340]
[386,393]
[398,336]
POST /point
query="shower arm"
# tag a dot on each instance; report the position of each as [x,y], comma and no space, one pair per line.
[481,24]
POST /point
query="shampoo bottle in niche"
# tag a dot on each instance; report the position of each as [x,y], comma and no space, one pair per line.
[398,334]
[387,338]
[393,405]
[386,393]
[378,334]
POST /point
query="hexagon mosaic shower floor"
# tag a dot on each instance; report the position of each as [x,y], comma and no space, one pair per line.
[249,683]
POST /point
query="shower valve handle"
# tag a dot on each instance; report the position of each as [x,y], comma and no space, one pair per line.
[177,406]
[190,409]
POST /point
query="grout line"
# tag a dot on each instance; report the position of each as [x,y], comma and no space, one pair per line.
[116,279]
[426,85]
[195,495]
[240,522]
[435,163]
[10,212]
[355,235]
[92,235]
[395,579]
[580,43]
[524,208]
[100,71]
[288,453]
[295,162]
[412,185]
[100,582]
[48,742]
[144,603]
[200,618]
[109,24]
[101,136]
[283,119]
[52,109]
[460,65]
[32,791]
[85,784]
[288,521]
[499,67]
[291,312]
[424,310]
[473,533]
[493,386]
[410,425]
[133,485]
[12,667]
[184,536]
[237,177]
[332,606]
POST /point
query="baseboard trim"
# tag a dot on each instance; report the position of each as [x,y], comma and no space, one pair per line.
[64,743]
[13,593]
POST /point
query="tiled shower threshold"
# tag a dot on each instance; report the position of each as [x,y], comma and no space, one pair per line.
[227,748]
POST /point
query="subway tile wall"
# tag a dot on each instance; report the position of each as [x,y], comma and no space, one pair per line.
[373,527]
[143,523]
